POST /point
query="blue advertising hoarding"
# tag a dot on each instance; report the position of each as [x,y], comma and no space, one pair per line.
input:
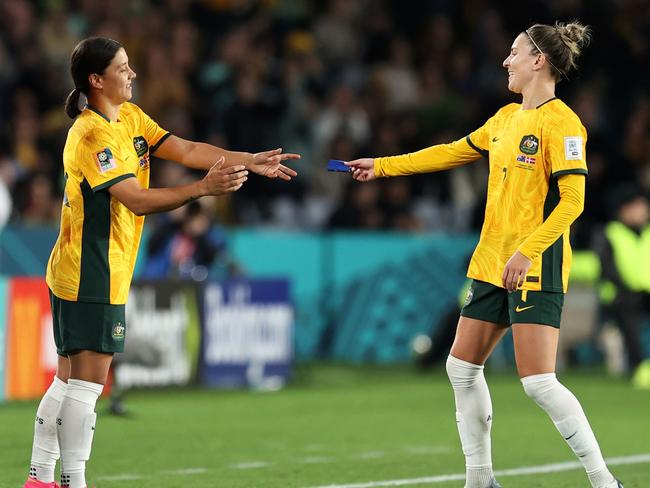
[247,334]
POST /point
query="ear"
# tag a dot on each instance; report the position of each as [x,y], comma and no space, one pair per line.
[95,81]
[540,62]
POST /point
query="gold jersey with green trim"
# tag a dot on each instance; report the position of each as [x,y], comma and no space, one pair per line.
[527,150]
[94,256]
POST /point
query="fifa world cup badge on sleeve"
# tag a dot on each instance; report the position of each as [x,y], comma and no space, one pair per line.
[105,160]
[573,148]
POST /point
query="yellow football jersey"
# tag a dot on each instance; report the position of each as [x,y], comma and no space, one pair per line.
[94,256]
[527,150]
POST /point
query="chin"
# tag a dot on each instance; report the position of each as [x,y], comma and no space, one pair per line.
[514,88]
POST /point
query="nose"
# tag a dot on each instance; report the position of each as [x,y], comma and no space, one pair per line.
[133,74]
[506,62]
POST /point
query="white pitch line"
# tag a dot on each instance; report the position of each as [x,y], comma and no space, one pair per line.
[186,471]
[541,469]
[371,455]
[250,465]
[315,460]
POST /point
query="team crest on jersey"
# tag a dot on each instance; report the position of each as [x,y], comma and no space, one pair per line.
[529,144]
[105,160]
[118,331]
[140,145]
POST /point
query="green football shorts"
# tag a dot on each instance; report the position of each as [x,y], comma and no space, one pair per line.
[494,304]
[80,326]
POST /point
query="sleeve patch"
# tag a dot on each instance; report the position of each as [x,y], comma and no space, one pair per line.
[105,160]
[573,148]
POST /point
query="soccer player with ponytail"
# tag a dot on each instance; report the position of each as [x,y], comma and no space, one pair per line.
[106,163]
[520,268]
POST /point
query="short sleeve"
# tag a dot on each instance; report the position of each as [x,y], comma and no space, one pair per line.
[153,133]
[565,148]
[100,160]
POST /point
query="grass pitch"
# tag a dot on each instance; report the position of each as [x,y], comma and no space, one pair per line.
[338,426]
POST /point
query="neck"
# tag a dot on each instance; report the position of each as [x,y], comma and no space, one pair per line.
[536,93]
[105,106]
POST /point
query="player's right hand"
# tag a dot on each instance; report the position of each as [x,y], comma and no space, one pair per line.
[362,169]
[220,180]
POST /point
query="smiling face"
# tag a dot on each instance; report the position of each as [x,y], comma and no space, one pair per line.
[521,64]
[115,82]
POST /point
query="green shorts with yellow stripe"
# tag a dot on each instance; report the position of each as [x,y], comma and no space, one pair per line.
[495,304]
[84,326]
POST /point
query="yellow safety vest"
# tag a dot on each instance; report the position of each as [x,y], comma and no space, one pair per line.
[631,255]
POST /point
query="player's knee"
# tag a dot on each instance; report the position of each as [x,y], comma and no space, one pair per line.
[462,374]
[538,385]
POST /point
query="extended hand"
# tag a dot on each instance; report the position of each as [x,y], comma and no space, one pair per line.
[362,169]
[220,180]
[515,271]
[269,164]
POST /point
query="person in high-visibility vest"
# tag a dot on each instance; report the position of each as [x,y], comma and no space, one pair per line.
[624,250]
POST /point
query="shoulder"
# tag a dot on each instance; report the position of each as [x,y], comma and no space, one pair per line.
[131,110]
[507,110]
[559,115]
[87,129]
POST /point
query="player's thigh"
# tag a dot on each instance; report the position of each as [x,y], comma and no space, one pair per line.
[483,322]
[535,318]
[535,348]
[90,366]
[63,368]
[475,339]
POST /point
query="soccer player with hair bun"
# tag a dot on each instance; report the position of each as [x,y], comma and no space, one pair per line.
[106,163]
[520,268]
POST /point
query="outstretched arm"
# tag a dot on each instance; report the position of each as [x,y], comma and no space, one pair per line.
[143,201]
[199,155]
[434,158]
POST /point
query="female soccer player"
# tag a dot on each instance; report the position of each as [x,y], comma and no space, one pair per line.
[536,154]
[106,163]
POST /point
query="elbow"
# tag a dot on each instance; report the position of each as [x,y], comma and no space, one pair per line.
[579,206]
[138,205]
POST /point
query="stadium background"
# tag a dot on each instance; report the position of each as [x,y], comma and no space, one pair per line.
[361,269]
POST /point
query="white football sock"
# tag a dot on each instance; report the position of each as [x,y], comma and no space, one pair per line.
[45,449]
[569,418]
[75,428]
[474,419]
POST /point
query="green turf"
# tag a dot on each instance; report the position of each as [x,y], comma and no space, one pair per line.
[336,425]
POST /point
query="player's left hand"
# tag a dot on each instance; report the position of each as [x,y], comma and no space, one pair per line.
[269,164]
[515,271]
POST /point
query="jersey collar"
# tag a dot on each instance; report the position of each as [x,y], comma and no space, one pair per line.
[544,103]
[99,113]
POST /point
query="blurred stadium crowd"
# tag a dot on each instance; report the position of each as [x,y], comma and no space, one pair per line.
[329,79]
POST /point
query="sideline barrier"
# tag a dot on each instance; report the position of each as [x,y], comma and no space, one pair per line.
[247,334]
[246,329]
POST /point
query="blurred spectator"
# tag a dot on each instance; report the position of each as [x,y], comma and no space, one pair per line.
[7,178]
[187,244]
[345,77]
[359,209]
[40,205]
[624,250]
